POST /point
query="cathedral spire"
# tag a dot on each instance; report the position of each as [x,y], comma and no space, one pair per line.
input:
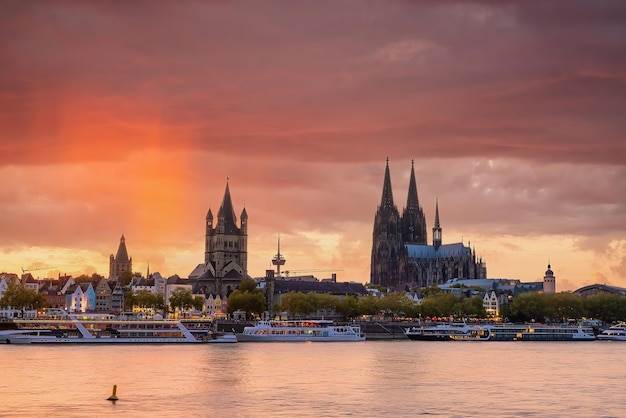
[386,202]
[437,228]
[412,201]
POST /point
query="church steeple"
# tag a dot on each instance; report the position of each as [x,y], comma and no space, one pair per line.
[387,238]
[122,253]
[386,202]
[437,228]
[121,262]
[226,214]
[413,220]
[226,244]
[412,201]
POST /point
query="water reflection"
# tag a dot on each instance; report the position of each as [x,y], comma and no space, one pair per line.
[395,378]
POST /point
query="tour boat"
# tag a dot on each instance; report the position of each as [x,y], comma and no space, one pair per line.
[107,329]
[305,330]
[615,333]
[439,332]
[536,332]
[500,332]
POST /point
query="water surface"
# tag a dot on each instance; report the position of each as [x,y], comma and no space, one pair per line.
[366,379]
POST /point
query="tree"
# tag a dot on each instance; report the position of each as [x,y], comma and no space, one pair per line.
[348,307]
[83,278]
[145,299]
[297,303]
[198,303]
[129,300]
[21,298]
[565,305]
[474,307]
[440,304]
[396,303]
[369,305]
[247,297]
[432,290]
[181,299]
[606,307]
[125,278]
[529,306]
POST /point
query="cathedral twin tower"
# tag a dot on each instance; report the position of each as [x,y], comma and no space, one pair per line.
[401,256]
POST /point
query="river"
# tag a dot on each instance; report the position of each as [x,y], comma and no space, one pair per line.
[366,379]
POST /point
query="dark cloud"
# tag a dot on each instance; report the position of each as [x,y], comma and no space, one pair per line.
[131,115]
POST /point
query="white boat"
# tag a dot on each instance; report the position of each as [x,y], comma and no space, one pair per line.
[615,333]
[296,331]
[536,332]
[101,329]
[441,332]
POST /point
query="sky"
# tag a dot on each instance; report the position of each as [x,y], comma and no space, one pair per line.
[129,117]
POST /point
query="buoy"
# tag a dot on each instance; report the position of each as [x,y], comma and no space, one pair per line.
[113,397]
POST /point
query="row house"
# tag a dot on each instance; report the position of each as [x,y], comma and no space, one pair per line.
[140,283]
[117,296]
[103,294]
[4,284]
[29,282]
[109,295]
[55,290]
[80,298]
[491,304]
[215,306]
[494,299]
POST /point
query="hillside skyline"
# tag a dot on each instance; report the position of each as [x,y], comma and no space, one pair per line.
[128,119]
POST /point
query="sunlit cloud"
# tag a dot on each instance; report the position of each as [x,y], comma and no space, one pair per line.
[118,119]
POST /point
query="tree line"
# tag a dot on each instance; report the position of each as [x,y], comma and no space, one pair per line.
[536,306]
[532,306]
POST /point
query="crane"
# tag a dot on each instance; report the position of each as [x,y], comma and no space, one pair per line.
[41,268]
[287,272]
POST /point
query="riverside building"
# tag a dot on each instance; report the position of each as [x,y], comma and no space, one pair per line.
[401,256]
[225,251]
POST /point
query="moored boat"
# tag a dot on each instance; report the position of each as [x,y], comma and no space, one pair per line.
[616,332]
[441,332]
[538,332]
[299,331]
[102,329]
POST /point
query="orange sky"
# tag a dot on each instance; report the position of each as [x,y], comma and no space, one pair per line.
[128,117]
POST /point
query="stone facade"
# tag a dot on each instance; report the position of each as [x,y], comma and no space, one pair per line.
[401,257]
[120,263]
[225,251]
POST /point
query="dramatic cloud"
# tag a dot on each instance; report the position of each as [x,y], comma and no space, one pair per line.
[128,118]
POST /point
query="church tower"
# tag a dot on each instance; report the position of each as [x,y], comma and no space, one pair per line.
[120,263]
[387,238]
[226,243]
[437,228]
[413,220]
[549,281]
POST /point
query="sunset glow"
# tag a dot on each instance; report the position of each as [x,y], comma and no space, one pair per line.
[128,118]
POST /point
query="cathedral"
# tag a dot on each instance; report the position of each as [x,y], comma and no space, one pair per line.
[225,251]
[401,256]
